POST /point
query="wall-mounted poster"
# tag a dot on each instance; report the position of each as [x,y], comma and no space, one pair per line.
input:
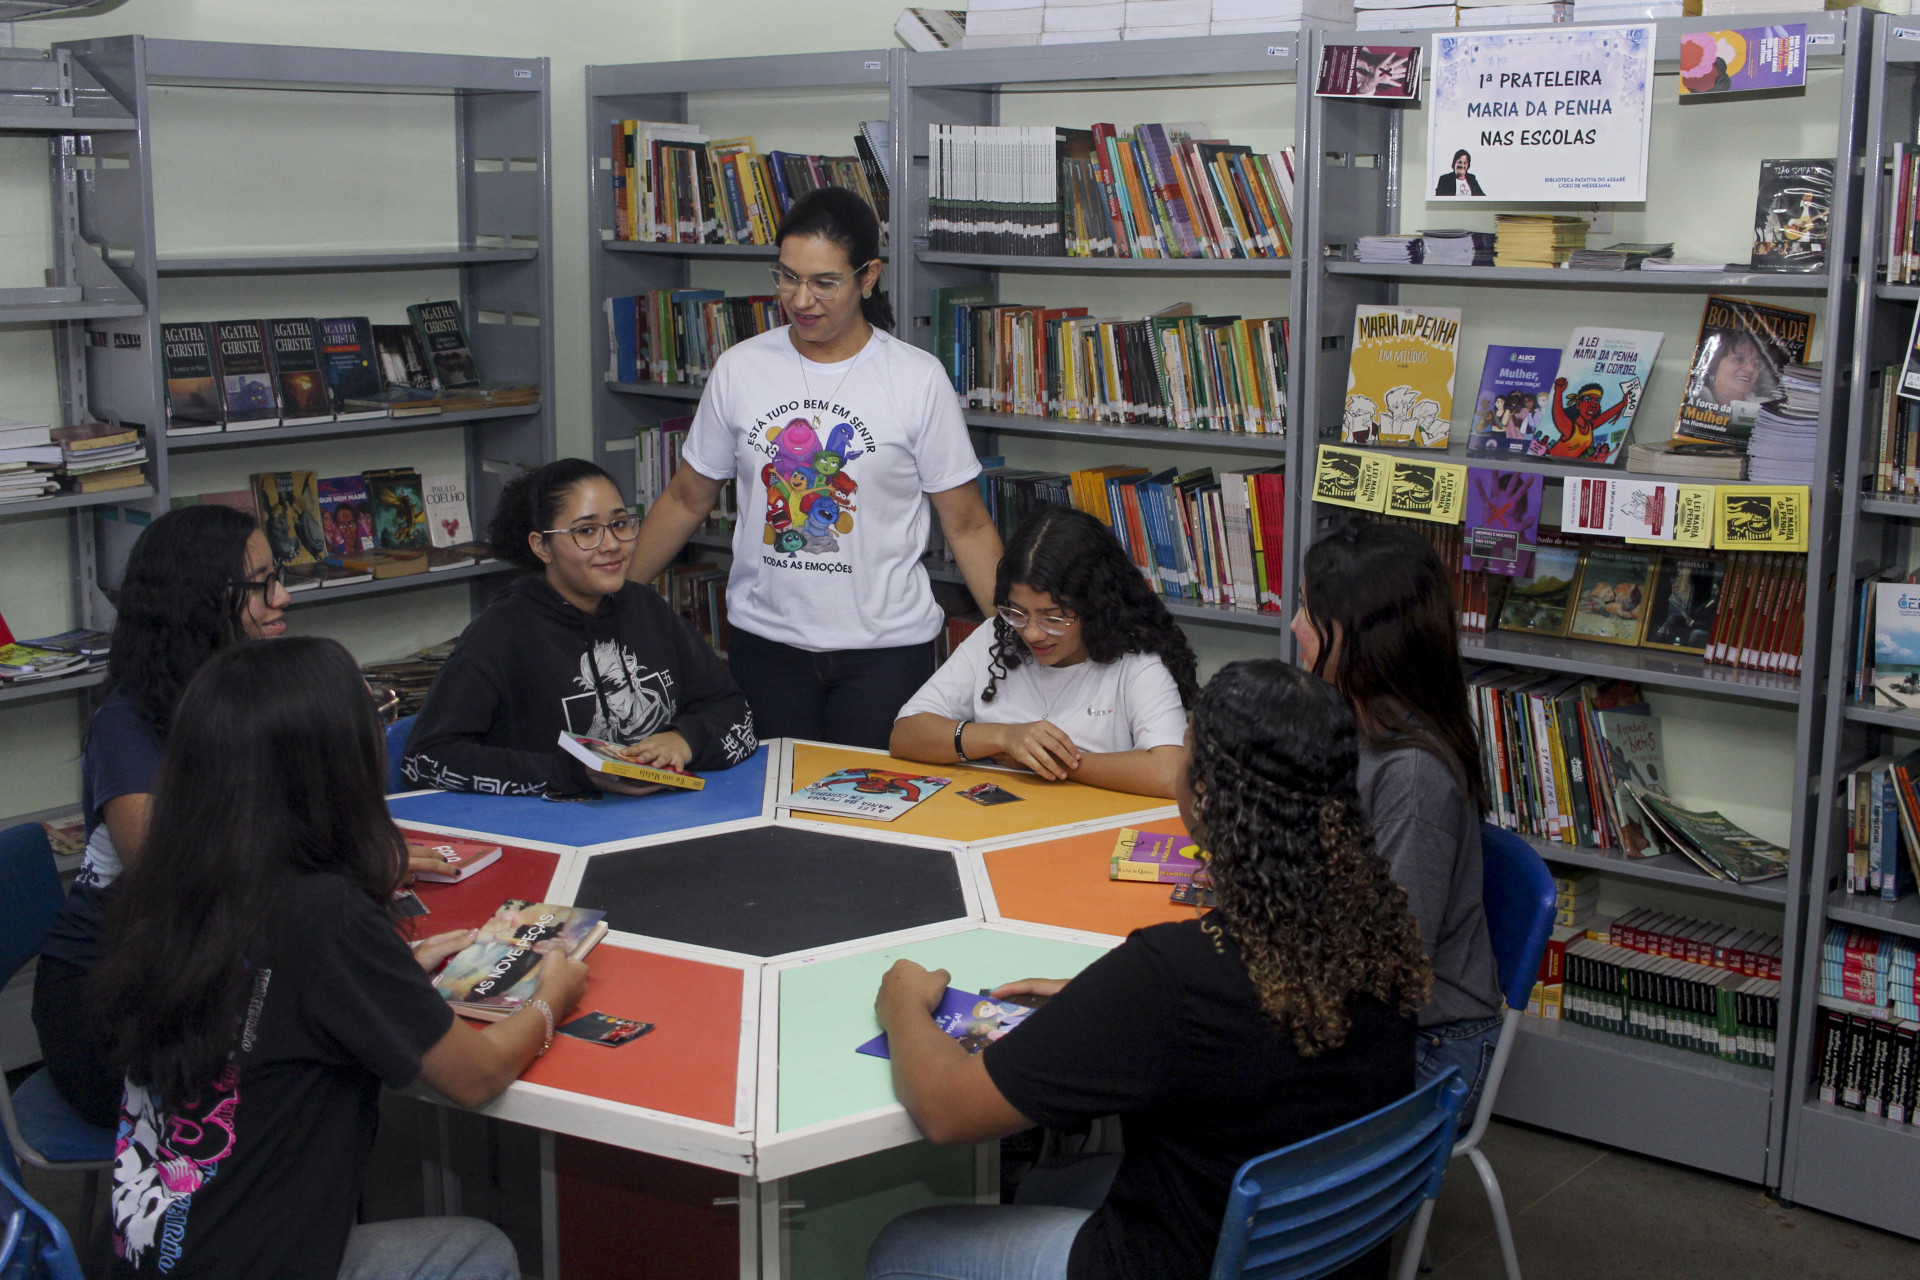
[1546,116]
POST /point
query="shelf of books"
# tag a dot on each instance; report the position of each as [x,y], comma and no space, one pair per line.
[1122,335]
[690,173]
[1851,1144]
[1637,505]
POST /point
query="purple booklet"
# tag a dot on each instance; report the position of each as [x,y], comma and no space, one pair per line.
[1743,60]
[976,1021]
[1503,521]
[1516,387]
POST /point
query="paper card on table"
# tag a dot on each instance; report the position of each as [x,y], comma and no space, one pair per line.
[604,1028]
[990,793]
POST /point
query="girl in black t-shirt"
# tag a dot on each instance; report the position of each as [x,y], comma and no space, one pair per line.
[252,957]
[1285,1012]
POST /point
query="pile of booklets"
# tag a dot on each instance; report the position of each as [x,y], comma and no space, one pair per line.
[672,183]
[71,653]
[1157,191]
[1389,249]
[1786,431]
[1537,239]
[96,457]
[1402,15]
[1626,10]
[250,375]
[1699,461]
[1457,248]
[1476,13]
[410,677]
[28,459]
[1618,257]
[1000,24]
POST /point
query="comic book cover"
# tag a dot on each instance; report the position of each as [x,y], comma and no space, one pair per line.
[1400,376]
[1602,372]
[865,793]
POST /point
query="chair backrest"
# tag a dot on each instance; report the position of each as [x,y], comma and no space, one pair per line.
[397,734]
[33,1244]
[1517,891]
[1309,1209]
[30,894]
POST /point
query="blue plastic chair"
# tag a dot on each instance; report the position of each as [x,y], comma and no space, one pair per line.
[33,1244]
[42,1129]
[397,734]
[1517,891]
[1309,1209]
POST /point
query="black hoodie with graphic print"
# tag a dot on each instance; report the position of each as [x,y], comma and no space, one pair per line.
[533,665]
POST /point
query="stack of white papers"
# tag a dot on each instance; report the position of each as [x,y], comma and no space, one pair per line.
[1244,17]
[1473,14]
[1389,249]
[1081,21]
[999,24]
[1786,431]
[1403,17]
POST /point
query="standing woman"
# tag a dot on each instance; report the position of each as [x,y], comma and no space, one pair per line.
[838,437]
[1376,620]
[197,581]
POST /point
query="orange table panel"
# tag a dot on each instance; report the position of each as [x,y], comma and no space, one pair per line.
[1063,882]
[520,873]
[946,816]
[688,1065]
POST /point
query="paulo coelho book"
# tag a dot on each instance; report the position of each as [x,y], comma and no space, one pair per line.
[604,757]
[1590,410]
[1400,377]
[1155,856]
[865,793]
[494,975]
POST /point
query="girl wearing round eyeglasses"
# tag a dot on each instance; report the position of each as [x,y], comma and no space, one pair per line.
[1083,674]
[196,581]
[574,648]
[838,438]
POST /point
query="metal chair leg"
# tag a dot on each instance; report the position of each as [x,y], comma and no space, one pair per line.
[1413,1255]
[1498,1204]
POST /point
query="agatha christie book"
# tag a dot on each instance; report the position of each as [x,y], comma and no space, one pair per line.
[349,365]
[246,375]
[193,384]
[443,337]
[865,793]
[295,347]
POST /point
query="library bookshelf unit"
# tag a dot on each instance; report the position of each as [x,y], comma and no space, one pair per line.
[1844,1161]
[1573,1079]
[1255,79]
[780,94]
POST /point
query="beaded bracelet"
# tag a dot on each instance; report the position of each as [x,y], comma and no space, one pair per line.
[546,1011]
[959,728]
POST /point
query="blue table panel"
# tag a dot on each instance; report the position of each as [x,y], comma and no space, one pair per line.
[739,792]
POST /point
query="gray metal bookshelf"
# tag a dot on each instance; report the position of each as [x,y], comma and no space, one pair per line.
[623,268]
[1613,1089]
[971,87]
[1842,1161]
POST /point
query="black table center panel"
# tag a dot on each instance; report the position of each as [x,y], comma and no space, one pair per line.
[767,891]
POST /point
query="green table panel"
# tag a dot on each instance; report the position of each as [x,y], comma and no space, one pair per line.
[848,1204]
[826,1011]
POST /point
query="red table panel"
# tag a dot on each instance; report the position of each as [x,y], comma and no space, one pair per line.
[520,873]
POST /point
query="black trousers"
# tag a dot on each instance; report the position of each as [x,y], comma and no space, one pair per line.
[71,1043]
[849,696]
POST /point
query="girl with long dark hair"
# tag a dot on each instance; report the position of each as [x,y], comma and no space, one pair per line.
[197,581]
[838,438]
[576,648]
[1376,621]
[1082,673]
[1283,1013]
[256,992]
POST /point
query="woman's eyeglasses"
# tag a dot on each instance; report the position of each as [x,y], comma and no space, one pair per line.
[1054,624]
[821,287]
[276,577]
[588,536]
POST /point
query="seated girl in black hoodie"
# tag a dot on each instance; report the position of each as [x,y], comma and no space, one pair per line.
[578,648]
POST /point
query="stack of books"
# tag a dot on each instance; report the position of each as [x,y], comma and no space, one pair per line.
[1402,15]
[1537,239]
[1389,249]
[1866,967]
[1626,10]
[1501,13]
[96,457]
[1786,431]
[1160,19]
[410,677]
[1000,24]
[1618,257]
[1244,17]
[1699,461]
[71,653]
[28,457]
[1456,248]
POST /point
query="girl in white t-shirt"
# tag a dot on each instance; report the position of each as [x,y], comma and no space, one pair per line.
[1083,673]
[838,438]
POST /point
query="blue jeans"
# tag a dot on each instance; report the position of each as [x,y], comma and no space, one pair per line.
[429,1249]
[848,696]
[1467,1046]
[977,1242]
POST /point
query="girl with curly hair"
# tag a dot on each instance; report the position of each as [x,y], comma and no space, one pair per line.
[198,580]
[1285,1012]
[1377,622]
[1082,675]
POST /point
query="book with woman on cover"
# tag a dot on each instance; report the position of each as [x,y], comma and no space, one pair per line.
[1602,373]
[1736,368]
[494,975]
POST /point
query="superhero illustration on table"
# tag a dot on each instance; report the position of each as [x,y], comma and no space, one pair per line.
[809,493]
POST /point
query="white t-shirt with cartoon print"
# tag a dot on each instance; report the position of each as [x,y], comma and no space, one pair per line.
[832,464]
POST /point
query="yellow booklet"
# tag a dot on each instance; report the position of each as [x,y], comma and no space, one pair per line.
[1350,478]
[604,757]
[1400,376]
[1693,507]
[1435,491]
[1759,517]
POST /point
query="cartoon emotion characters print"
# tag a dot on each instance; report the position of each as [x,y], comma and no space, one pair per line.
[810,496]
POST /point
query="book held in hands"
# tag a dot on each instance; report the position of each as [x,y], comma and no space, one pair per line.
[605,757]
[495,974]
[976,1021]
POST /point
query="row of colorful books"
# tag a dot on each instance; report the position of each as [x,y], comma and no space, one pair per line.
[1866,1062]
[1883,820]
[674,184]
[1577,761]
[1157,191]
[697,591]
[1172,369]
[1217,539]
[656,457]
[1668,1001]
[1896,453]
[1900,259]
[1577,402]
[675,335]
[38,460]
[358,528]
[1864,966]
